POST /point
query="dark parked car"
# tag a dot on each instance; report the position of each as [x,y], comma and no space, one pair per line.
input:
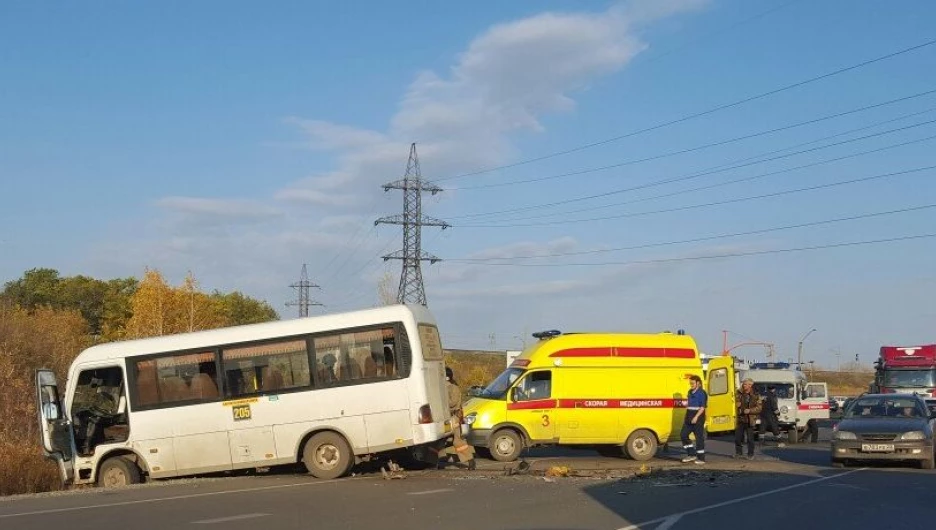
[885,427]
[848,401]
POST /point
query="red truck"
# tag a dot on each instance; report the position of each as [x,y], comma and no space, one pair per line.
[906,369]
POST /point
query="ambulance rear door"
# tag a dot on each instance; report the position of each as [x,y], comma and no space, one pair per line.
[720,386]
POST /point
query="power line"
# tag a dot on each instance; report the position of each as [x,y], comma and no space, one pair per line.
[698,114]
[705,238]
[710,186]
[692,149]
[718,256]
[357,248]
[725,165]
[352,240]
[710,204]
[719,31]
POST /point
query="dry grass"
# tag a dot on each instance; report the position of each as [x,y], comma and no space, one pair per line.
[25,470]
[475,367]
[845,383]
[44,338]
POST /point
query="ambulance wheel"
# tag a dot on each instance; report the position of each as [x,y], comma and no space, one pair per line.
[505,445]
[327,456]
[641,445]
[792,436]
[118,471]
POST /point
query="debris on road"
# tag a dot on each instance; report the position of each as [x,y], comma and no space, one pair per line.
[392,471]
[558,471]
[644,471]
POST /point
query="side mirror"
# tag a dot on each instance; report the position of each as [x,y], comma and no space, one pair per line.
[513,394]
[475,390]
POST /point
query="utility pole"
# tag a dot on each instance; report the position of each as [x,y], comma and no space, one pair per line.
[412,289]
[303,286]
[799,350]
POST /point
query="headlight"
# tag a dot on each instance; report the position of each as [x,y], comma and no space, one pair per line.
[470,418]
[844,435]
[784,409]
[913,435]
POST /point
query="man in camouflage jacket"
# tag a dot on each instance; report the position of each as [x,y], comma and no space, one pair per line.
[748,404]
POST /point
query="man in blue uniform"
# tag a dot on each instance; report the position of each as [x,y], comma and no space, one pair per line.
[695,422]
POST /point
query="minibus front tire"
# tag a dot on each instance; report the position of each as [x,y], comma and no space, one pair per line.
[327,455]
[118,471]
[641,445]
[505,445]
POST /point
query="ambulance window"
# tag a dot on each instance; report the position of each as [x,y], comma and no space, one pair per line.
[718,382]
[537,385]
[815,391]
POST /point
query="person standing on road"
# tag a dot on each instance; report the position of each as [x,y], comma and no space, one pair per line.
[769,415]
[459,447]
[811,432]
[748,404]
[695,422]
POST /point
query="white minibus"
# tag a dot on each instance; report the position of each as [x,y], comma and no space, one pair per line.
[327,391]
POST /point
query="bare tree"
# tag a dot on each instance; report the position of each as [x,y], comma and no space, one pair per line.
[385,290]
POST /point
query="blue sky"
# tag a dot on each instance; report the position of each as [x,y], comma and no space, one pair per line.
[239,141]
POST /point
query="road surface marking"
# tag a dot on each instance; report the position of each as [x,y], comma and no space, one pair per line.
[175,498]
[670,521]
[429,492]
[231,518]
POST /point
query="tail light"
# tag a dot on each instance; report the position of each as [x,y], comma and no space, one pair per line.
[425,414]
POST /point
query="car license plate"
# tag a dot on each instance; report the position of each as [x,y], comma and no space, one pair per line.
[877,448]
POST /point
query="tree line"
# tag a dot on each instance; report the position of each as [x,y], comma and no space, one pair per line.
[47,319]
[128,308]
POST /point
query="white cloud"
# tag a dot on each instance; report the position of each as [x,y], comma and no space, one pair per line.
[506,79]
[327,135]
[550,287]
[464,118]
[227,209]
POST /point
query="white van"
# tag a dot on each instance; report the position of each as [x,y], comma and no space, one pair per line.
[800,402]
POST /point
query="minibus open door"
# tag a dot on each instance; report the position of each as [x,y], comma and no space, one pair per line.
[58,440]
[720,386]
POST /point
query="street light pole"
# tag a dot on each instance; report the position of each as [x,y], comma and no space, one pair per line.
[799,349]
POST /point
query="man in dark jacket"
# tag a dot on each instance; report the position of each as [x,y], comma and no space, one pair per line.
[769,415]
[748,405]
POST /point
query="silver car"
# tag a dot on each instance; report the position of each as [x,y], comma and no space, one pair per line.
[885,427]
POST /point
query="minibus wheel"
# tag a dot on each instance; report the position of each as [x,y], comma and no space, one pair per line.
[505,445]
[327,455]
[641,445]
[118,471]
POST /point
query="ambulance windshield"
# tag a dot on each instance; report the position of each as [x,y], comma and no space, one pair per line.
[498,387]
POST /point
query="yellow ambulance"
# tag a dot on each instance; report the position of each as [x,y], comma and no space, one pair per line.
[624,394]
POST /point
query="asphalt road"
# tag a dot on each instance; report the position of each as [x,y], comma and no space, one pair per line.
[779,489]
